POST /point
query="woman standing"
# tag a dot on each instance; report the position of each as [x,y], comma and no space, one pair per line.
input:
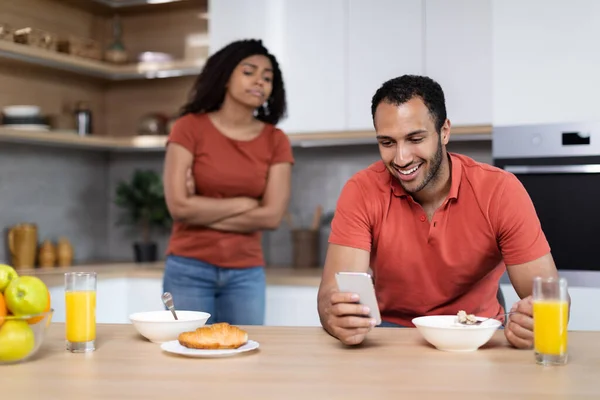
[227,177]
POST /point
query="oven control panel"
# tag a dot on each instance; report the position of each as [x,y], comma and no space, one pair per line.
[546,140]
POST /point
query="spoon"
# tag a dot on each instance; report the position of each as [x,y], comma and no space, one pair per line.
[494,317]
[167,299]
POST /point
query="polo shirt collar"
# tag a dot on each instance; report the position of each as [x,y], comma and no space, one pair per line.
[455,170]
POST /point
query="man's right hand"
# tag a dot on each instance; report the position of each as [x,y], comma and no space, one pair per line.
[346,319]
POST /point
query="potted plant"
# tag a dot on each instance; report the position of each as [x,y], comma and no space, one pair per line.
[145,209]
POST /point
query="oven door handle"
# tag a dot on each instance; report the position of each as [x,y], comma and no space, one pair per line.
[554,169]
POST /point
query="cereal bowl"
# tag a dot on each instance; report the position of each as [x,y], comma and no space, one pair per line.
[160,326]
[446,334]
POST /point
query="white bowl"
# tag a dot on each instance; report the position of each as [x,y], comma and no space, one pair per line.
[160,326]
[21,111]
[446,334]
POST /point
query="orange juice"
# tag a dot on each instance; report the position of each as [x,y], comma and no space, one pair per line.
[550,318]
[81,315]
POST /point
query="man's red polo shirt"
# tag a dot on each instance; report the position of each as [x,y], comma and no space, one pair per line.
[453,262]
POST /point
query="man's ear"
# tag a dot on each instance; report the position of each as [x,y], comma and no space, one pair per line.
[445,132]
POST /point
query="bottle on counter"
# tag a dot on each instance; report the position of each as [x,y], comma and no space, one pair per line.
[47,255]
[64,252]
[83,118]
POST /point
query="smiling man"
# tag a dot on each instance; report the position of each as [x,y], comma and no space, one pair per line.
[437,229]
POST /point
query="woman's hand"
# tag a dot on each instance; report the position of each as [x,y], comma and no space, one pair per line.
[190,185]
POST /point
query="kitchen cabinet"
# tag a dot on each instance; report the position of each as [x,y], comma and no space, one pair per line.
[311,46]
[336,54]
[119,297]
[458,55]
[308,39]
[384,40]
[112,301]
[292,306]
[286,305]
[545,67]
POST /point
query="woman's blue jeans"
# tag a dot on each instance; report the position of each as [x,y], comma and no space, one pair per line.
[233,295]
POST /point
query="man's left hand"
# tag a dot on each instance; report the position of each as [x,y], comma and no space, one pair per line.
[519,328]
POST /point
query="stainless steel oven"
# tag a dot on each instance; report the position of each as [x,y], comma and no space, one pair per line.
[559,165]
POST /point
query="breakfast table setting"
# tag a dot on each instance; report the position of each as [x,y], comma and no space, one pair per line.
[171,353]
[298,363]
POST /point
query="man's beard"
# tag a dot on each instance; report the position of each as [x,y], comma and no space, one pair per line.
[435,163]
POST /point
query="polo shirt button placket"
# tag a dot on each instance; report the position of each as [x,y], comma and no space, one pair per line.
[423,218]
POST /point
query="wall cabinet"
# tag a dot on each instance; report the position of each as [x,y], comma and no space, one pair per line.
[310,46]
[384,40]
[307,37]
[458,55]
[545,65]
[336,54]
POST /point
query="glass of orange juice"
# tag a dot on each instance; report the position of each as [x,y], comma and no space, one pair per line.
[80,316]
[550,319]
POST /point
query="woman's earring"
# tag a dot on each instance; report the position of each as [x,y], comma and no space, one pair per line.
[266,107]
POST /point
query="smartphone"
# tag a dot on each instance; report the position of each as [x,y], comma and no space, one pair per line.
[360,283]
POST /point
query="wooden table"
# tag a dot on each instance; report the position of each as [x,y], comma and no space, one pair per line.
[301,363]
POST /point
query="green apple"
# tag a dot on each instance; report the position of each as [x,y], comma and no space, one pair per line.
[7,274]
[16,340]
[26,295]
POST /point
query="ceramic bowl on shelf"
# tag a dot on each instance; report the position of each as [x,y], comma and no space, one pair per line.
[445,333]
[160,326]
[154,57]
[21,111]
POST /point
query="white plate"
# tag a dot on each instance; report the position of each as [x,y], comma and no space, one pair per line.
[27,127]
[174,347]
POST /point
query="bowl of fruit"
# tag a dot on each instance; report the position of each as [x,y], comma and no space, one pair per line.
[25,314]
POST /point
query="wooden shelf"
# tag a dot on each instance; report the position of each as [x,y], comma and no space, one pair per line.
[116,4]
[157,143]
[98,69]
[341,138]
[71,139]
[126,7]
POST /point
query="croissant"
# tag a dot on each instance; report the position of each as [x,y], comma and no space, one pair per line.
[216,336]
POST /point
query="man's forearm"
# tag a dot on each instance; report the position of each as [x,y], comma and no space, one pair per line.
[260,218]
[201,210]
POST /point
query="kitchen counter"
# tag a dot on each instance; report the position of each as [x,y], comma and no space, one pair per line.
[286,276]
[302,362]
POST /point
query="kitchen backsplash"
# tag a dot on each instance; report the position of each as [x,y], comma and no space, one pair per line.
[70,192]
[63,191]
